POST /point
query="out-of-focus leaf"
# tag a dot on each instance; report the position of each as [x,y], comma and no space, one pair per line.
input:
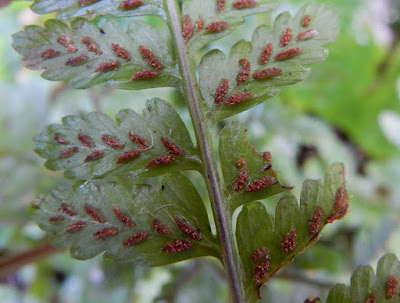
[120,221]
[79,54]
[95,146]
[292,230]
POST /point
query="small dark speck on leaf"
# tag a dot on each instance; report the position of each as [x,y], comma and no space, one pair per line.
[162,187]
[102,31]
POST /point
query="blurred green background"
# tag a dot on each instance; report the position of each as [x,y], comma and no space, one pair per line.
[348,110]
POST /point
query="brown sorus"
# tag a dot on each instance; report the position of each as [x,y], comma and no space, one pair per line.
[341,206]
[306,21]
[75,226]
[199,24]
[85,140]
[56,218]
[391,286]
[241,180]
[78,60]
[289,53]
[92,212]
[160,161]
[67,210]
[68,152]
[49,53]
[315,222]
[112,142]
[171,147]
[67,43]
[258,185]
[105,66]
[149,56]
[187,29]
[258,253]
[120,51]
[261,270]
[60,139]
[144,75]
[177,246]
[308,34]
[238,98]
[135,239]
[241,162]
[87,2]
[217,26]
[140,141]
[105,232]
[266,53]
[267,73]
[95,155]
[244,71]
[122,217]
[286,36]
[127,156]
[244,3]
[159,228]
[222,89]
[91,46]
[371,298]
[188,229]
[267,157]
[220,5]
[129,4]
[313,299]
[290,241]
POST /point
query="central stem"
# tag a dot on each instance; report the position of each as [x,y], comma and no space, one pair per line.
[222,216]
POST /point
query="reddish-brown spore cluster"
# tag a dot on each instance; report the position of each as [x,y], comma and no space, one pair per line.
[135,239]
[267,156]
[222,89]
[67,43]
[159,228]
[177,246]
[141,142]
[241,180]
[129,4]
[244,3]
[306,21]
[112,142]
[341,206]
[266,53]
[49,53]
[371,298]
[127,156]
[391,286]
[241,162]
[290,241]
[93,213]
[261,270]
[244,71]
[85,140]
[267,73]
[199,24]
[93,156]
[160,161]
[67,210]
[220,5]
[105,232]
[120,51]
[187,29]
[217,26]
[78,60]
[315,222]
[145,74]
[122,217]
[258,253]
[258,185]
[56,218]
[286,36]
[313,299]
[289,53]
[91,46]
[308,34]
[106,66]
[238,98]
[74,227]
[65,153]
[171,147]
[149,56]
[60,139]
[188,229]
[87,2]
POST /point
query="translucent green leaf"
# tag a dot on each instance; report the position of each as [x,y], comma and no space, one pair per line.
[129,223]
[70,9]
[291,231]
[365,285]
[243,167]
[206,11]
[271,61]
[94,146]
[76,54]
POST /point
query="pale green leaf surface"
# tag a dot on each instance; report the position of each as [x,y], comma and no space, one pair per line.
[233,146]
[34,40]
[141,203]
[159,120]
[256,228]
[215,66]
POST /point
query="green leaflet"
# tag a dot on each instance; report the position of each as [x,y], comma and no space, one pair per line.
[139,205]
[257,229]
[34,42]
[69,9]
[159,120]
[289,61]
[365,284]
[233,146]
